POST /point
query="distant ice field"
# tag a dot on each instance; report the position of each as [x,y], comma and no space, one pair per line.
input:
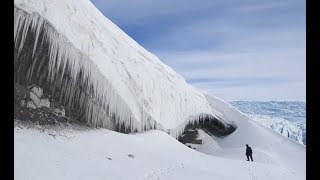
[285,117]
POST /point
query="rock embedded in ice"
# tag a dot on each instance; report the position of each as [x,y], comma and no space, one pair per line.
[44,103]
[36,90]
[23,102]
[59,111]
[31,105]
[39,102]
[34,98]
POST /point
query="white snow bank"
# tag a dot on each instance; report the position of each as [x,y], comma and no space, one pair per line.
[103,154]
[258,137]
[209,144]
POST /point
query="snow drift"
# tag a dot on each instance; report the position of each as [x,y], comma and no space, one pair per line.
[66,153]
[97,72]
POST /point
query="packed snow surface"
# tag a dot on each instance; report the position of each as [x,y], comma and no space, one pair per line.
[45,153]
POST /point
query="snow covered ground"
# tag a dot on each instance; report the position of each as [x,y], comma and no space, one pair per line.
[67,153]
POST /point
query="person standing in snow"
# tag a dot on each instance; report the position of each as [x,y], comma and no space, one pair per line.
[249,152]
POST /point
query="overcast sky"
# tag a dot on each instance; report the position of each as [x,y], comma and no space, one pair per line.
[234,49]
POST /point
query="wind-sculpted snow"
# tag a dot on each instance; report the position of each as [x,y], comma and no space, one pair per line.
[287,117]
[98,72]
[71,153]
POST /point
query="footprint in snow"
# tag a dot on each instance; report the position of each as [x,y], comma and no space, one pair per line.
[156,174]
[151,176]
[249,170]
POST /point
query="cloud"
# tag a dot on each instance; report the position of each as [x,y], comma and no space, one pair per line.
[288,63]
[232,82]
[285,92]
[262,6]
[275,74]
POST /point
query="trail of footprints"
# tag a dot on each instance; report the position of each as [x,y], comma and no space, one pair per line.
[249,168]
[158,173]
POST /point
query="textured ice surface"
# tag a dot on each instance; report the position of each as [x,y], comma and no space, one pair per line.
[286,117]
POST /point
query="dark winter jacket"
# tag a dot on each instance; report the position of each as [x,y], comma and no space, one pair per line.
[248,151]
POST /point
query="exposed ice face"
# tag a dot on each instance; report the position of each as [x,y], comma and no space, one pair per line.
[99,69]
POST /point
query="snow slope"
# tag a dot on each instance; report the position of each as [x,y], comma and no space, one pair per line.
[65,153]
[46,153]
[49,153]
[120,76]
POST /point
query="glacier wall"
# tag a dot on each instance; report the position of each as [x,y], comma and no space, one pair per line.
[98,72]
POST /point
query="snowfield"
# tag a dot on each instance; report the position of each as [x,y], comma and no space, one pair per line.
[70,154]
[46,153]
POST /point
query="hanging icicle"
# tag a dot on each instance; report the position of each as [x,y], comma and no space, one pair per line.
[64,68]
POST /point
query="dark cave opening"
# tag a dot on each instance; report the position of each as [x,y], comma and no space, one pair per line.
[209,124]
